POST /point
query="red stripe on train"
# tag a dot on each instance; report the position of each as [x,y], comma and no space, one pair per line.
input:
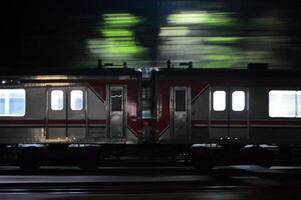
[193,122]
[52,121]
[245,122]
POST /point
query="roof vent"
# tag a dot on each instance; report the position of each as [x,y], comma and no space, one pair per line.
[186,65]
[10,82]
[101,65]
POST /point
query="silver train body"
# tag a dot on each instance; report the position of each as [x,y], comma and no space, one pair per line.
[252,106]
[181,106]
[97,107]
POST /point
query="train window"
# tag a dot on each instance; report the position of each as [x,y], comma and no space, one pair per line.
[76,99]
[298,103]
[282,103]
[57,100]
[12,102]
[238,100]
[180,100]
[146,102]
[116,97]
[219,100]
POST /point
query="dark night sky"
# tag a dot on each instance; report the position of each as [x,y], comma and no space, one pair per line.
[74,34]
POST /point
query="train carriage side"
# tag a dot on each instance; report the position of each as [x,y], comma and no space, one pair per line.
[227,107]
[95,107]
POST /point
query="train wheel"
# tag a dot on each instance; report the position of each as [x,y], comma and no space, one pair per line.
[201,159]
[89,160]
[29,160]
[260,156]
[89,164]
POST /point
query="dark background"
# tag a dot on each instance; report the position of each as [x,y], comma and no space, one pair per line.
[212,33]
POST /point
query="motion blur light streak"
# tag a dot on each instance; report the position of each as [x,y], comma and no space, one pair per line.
[202,18]
[118,41]
[173,31]
[219,40]
[115,32]
[211,34]
[222,40]
[196,42]
[121,19]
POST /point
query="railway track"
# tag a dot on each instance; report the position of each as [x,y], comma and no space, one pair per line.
[149,180]
[234,185]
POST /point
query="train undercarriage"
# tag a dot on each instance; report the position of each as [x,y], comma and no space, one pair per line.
[89,157]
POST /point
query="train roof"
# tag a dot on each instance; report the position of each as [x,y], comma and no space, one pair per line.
[233,73]
[165,72]
[73,72]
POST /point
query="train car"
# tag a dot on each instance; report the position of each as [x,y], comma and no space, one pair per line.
[206,116]
[98,106]
[231,109]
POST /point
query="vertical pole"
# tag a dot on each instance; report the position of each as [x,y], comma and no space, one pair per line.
[86,111]
[46,114]
[67,109]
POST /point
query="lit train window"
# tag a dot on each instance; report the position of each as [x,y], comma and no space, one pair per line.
[12,102]
[76,99]
[282,103]
[219,100]
[238,100]
[57,100]
[298,103]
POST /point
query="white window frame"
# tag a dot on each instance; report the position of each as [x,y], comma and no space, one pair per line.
[295,93]
[51,98]
[215,104]
[298,103]
[7,103]
[234,101]
[72,100]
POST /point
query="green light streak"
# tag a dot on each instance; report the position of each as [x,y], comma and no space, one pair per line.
[219,56]
[202,18]
[118,39]
[123,47]
[120,19]
[173,31]
[222,39]
[116,32]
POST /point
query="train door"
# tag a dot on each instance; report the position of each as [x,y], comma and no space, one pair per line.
[116,111]
[228,113]
[218,113]
[77,112]
[238,113]
[66,113]
[180,112]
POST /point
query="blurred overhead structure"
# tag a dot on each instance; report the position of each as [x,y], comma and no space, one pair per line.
[201,36]
[212,34]
[117,40]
